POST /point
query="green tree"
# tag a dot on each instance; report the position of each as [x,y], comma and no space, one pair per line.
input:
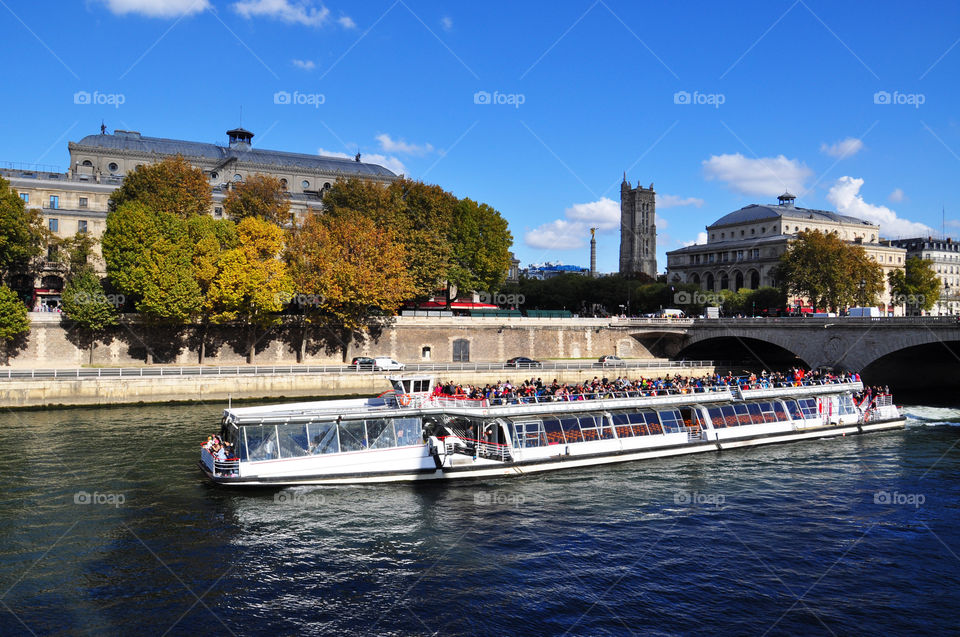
[259,196]
[480,247]
[828,271]
[171,186]
[351,269]
[13,319]
[86,305]
[251,285]
[77,253]
[22,234]
[916,286]
[210,238]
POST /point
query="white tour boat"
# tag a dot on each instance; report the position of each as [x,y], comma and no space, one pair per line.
[410,433]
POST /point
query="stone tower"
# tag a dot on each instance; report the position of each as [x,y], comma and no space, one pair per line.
[638,229]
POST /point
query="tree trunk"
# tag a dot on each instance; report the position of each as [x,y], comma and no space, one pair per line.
[251,350]
[203,342]
[93,344]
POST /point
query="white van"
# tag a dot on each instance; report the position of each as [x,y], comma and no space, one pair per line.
[671,313]
[864,311]
[387,364]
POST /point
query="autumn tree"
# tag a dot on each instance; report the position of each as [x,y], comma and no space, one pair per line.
[828,271]
[13,320]
[260,196]
[351,269]
[210,239]
[480,247]
[87,307]
[171,186]
[251,284]
[22,234]
[916,286]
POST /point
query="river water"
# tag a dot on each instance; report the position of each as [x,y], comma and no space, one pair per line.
[107,527]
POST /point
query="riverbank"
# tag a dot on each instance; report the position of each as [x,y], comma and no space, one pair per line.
[91,391]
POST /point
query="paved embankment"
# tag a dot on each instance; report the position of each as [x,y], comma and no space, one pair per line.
[41,392]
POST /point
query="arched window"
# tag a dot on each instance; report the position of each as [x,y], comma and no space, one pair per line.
[754,279]
[87,163]
[708,280]
[737,281]
[283,184]
[695,278]
[724,281]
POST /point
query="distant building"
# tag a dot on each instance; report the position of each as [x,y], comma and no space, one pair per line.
[638,229]
[544,271]
[513,270]
[76,201]
[744,247]
[944,255]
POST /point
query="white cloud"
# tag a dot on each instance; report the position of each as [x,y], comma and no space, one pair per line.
[897,195]
[845,196]
[346,22]
[306,65]
[672,201]
[446,22]
[157,8]
[400,146]
[768,176]
[700,240]
[844,148]
[389,162]
[289,11]
[574,231]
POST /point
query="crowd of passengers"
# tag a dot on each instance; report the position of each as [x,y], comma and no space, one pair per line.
[218,448]
[535,389]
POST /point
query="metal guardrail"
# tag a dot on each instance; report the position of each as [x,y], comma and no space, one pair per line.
[834,321]
[274,370]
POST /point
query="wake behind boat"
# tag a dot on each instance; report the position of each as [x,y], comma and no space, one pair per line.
[416,432]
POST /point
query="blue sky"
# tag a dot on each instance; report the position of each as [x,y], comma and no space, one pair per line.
[534,108]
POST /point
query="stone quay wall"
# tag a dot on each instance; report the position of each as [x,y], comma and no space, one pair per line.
[51,343]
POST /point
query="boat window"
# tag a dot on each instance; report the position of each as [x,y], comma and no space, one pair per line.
[671,420]
[352,436]
[530,434]
[809,407]
[421,385]
[323,437]
[846,405]
[397,386]
[756,416]
[780,411]
[794,410]
[293,440]
[408,431]
[554,433]
[716,418]
[595,427]
[406,386]
[621,423]
[380,433]
[571,427]
[653,422]
[742,414]
[767,410]
[261,442]
[729,416]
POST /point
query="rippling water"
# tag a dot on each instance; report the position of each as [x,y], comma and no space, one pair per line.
[854,535]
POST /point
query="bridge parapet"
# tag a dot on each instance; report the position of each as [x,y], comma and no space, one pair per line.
[831,321]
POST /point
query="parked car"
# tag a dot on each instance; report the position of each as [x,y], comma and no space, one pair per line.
[387,364]
[522,362]
[612,361]
[363,362]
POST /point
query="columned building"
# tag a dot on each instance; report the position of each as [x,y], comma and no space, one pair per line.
[76,201]
[944,257]
[638,229]
[744,247]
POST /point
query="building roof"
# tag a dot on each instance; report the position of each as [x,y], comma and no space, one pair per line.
[133,141]
[759,212]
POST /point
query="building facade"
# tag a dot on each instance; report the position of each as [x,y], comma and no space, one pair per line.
[76,201]
[944,257]
[744,247]
[638,229]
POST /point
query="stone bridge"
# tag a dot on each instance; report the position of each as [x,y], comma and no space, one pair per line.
[849,343]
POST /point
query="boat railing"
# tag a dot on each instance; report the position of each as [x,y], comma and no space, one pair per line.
[481,448]
[228,467]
